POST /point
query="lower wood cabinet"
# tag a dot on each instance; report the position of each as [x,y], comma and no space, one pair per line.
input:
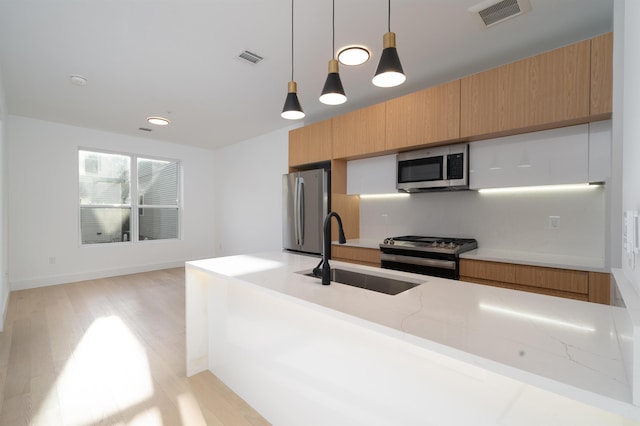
[360,255]
[580,285]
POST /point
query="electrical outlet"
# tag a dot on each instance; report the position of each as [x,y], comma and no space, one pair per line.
[385,219]
[554,222]
[52,260]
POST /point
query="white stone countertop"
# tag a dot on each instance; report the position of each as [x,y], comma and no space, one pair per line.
[591,264]
[565,346]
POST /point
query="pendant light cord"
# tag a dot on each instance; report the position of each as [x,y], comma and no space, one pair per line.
[291,40]
[389,18]
[333,21]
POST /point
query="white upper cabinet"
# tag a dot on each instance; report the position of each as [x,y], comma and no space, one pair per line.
[550,157]
[376,175]
[599,151]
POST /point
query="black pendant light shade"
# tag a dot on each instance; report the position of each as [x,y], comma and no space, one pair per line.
[292,109]
[333,92]
[389,72]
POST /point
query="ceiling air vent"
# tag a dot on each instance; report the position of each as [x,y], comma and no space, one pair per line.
[254,58]
[492,12]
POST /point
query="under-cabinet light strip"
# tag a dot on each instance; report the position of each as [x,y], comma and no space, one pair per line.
[546,188]
[391,195]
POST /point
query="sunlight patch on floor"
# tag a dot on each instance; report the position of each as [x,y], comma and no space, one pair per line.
[189,408]
[90,387]
[151,416]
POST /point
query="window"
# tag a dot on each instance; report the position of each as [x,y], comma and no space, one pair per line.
[107,198]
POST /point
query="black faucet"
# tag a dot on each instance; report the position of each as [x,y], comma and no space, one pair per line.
[325,273]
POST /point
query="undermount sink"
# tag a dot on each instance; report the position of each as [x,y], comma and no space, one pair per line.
[377,283]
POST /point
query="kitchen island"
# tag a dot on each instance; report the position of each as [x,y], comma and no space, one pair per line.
[444,352]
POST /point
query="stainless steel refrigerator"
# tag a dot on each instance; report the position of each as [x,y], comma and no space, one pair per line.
[305,200]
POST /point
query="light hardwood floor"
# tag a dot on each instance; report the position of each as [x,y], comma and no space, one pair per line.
[109,352]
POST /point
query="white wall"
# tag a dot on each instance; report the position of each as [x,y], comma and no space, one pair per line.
[499,221]
[4,282]
[248,186]
[43,206]
[627,96]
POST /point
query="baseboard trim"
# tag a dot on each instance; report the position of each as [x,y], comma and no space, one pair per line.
[91,275]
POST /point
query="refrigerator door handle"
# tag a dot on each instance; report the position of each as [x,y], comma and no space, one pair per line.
[296,211]
[301,211]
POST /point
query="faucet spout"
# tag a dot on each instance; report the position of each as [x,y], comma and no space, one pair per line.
[326,251]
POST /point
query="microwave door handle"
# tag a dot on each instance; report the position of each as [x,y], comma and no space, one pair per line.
[445,166]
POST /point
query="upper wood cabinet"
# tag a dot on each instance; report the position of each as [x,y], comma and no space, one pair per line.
[359,132]
[430,115]
[601,75]
[549,88]
[310,144]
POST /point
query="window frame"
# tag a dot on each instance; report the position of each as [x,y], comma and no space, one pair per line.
[134,198]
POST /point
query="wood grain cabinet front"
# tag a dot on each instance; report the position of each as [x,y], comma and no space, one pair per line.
[360,255]
[310,144]
[543,91]
[424,117]
[359,132]
[601,76]
[568,283]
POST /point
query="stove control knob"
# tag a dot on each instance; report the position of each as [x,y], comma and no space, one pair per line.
[388,241]
[443,244]
[434,244]
[452,245]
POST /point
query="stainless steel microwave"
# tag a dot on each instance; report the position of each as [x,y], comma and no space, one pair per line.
[433,169]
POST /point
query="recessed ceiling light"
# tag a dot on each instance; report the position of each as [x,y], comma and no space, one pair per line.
[158,121]
[78,80]
[354,55]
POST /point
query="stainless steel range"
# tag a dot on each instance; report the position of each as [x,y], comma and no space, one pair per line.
[435,256]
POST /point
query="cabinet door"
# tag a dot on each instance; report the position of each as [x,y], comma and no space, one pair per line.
[376,175]
[600,151]
[359,132]
[310,144]
[553,279]
[360,255]
[549,157]
[601,74]
[539,91]
[430,115]
[490,271]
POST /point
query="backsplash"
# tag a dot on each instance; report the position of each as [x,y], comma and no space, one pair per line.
[511,221]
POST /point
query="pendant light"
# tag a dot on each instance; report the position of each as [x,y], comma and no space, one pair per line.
[333,92]
[389,72]
[292,109]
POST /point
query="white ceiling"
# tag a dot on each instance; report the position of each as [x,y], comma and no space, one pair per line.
[178,58]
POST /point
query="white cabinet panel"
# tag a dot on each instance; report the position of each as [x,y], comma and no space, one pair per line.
[550,157]
[599,151]
[376,175]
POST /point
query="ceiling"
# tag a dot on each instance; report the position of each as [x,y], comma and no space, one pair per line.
[179,58]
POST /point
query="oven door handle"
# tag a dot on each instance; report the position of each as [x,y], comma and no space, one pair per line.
[412,260]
